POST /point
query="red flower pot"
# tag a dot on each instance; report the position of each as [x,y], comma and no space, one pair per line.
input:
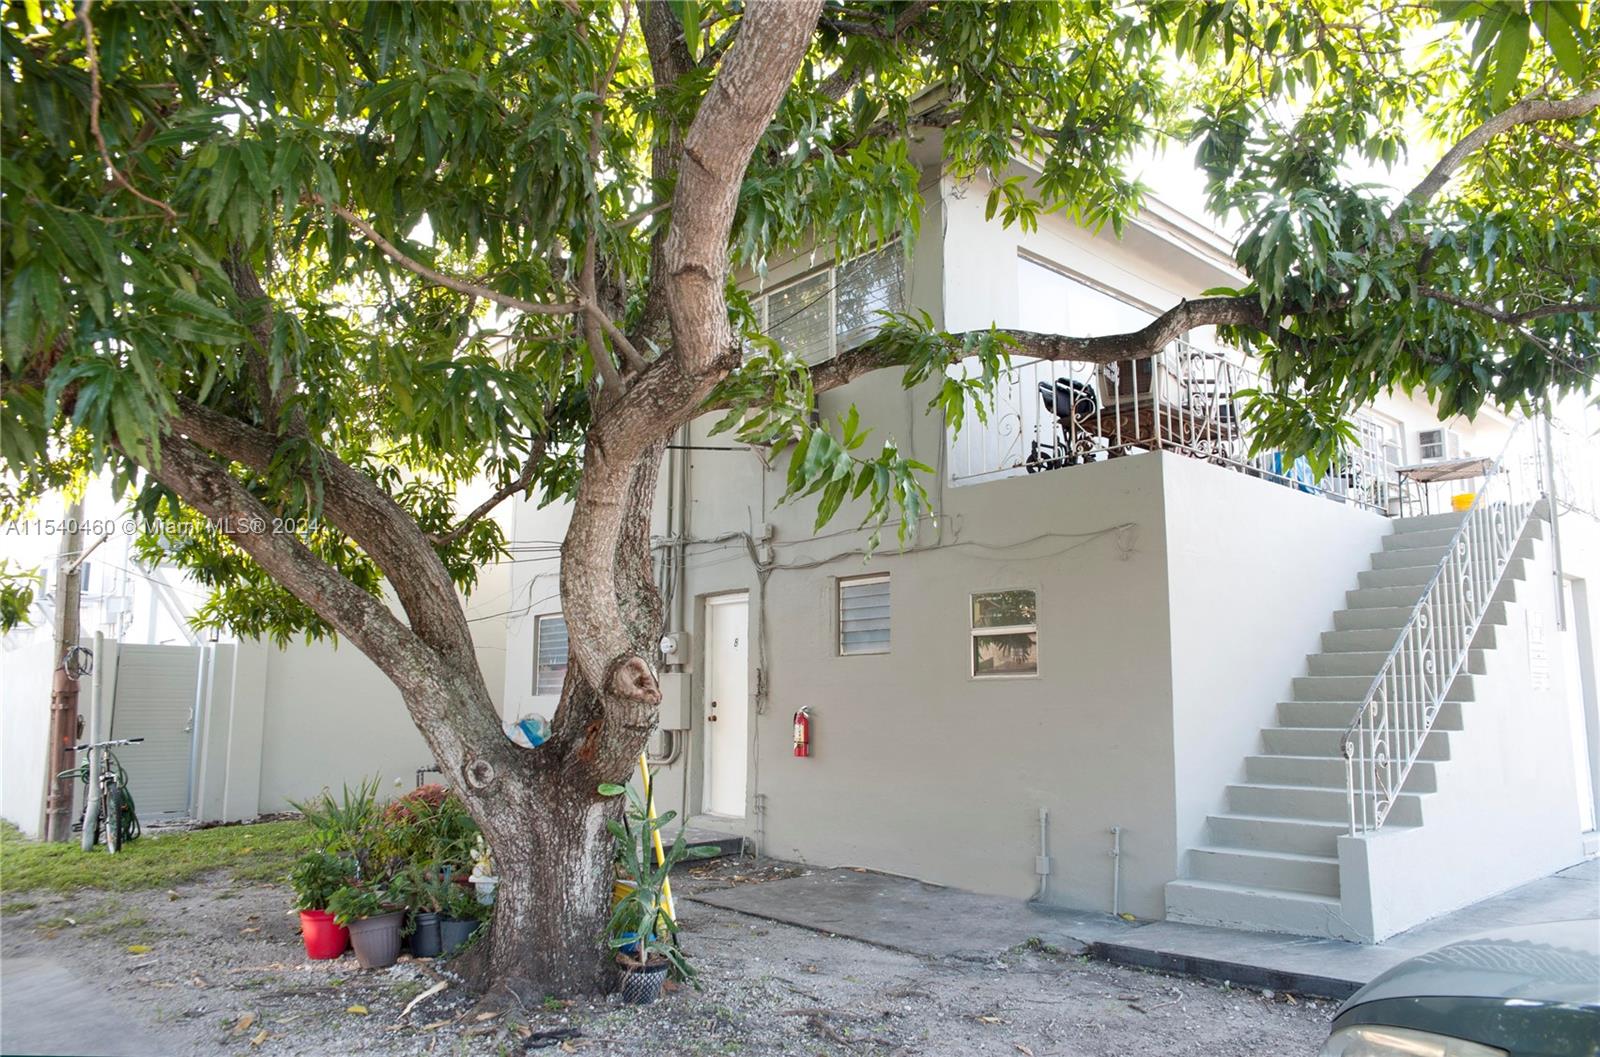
[324,937]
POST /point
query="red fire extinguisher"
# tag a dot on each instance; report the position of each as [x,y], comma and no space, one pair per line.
[802,732]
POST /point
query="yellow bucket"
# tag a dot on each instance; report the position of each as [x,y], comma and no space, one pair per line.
[620,890]
[1463,501]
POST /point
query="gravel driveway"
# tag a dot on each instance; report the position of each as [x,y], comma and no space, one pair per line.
[215,968]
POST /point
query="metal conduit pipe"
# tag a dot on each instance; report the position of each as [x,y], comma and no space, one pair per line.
[1041,864]
[1116,871]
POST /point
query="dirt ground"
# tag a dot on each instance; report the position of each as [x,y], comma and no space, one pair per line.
[218,968]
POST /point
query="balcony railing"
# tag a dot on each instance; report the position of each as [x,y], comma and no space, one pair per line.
[1050,415]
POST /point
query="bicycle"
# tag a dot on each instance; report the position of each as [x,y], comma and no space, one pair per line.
[108,806]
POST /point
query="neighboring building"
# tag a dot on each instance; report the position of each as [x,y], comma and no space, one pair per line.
[1153,634]
[232,729]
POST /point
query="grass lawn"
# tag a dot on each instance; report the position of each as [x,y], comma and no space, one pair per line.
[260,852]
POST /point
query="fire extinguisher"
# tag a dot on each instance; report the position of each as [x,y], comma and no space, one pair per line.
[802,732]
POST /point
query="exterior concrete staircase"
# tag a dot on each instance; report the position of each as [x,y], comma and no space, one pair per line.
[1271,859]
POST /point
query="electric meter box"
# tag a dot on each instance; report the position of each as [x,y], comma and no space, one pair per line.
[674,714]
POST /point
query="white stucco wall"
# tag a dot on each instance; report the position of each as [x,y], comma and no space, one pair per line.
[1256,572]
[25,674]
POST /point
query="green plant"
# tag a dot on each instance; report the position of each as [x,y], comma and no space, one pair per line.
[344,826]
[430,824]
[317,876]
[461,902]
[424,888]
[642,916]
[354,902]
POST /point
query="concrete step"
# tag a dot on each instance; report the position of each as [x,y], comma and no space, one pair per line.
[1324,772]
[1450,519]
[1395,617]
[1397,541]
[1427,557]
[1235,906]
[1340,713]
[1355,687]
[1313,805]
[1285,871]
[1382,640]
[1397,576]
[1305,836]
[1329,741]
[1367,663]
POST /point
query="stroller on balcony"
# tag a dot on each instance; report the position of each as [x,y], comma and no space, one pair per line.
[1075,406]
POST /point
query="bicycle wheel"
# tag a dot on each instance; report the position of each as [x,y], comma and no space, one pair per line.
[111,814]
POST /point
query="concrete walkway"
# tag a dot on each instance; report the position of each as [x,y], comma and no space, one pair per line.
[46,1008]
[907,915]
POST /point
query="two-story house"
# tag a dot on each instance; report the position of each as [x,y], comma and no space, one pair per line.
[1126,641]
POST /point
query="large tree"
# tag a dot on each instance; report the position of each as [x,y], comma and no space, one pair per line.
[297,272]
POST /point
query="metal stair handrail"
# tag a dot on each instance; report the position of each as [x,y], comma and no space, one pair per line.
[1387,735]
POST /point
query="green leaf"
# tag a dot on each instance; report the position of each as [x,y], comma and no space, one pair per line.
[612,789]
[1552,16]
[1509,55]
[688,12]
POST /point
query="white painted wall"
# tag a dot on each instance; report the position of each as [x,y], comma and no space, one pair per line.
[25,675]
[1255,574]
[1505,811]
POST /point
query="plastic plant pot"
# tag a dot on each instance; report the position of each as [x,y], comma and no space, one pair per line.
[455,932]
[640,987]
[425,942]
[377,939]
[324,938]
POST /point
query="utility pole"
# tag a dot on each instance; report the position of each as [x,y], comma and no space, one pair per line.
[64,687]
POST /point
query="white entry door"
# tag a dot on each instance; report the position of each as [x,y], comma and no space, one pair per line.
[727,704]
[155,700]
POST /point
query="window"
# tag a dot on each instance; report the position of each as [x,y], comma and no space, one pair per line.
[1438,444]
[864,615]
[835,308]
[1005,634]
[550,654]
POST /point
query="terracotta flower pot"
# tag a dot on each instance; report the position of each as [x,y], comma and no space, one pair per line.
[377,939]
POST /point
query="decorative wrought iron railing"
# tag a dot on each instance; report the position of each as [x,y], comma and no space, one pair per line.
[1388,733]
[1049,415]
[1576,468]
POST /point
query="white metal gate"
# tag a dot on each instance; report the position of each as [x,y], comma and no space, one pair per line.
[155,699]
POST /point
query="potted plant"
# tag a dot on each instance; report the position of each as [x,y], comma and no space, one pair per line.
[643,932]
[462,916]
[315,878]
[373,922]
[427,893]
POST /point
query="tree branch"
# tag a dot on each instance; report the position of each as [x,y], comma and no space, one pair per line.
[530,470]
[356,506]
[1510,318]
[456,717]
[92,57]
[1241,311]
[1523,113]
[460,286]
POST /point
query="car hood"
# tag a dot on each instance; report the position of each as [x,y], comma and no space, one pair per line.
[1556,962]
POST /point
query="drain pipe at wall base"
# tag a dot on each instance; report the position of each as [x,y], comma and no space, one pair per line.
[1041,863]
[1116,871]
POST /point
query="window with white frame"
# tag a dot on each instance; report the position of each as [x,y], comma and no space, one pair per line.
[836,308]
[1438,444]
[1005,634]
[864,614]
[550,654]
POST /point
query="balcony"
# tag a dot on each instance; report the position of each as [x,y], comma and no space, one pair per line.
[1050,416]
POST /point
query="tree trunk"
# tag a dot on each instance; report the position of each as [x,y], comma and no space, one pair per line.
[553,857]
